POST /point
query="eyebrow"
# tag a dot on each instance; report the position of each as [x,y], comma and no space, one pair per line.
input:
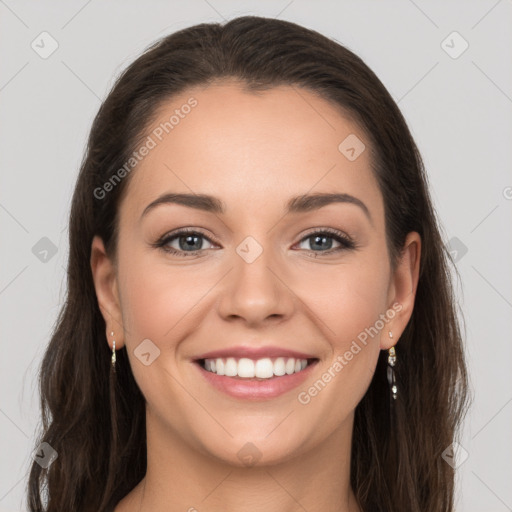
[298,204]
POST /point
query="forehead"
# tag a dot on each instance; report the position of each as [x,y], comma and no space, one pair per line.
[251,148]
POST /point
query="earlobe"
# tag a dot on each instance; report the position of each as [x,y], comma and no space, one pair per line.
[105,284]
[404,282]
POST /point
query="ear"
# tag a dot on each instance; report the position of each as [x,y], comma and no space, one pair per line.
[105,283]
[402,292]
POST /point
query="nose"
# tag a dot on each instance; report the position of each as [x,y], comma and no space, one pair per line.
[256,292]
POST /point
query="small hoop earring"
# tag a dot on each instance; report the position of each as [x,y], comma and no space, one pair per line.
[391,370]
[113,352]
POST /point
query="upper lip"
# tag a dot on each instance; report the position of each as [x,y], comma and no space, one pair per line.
[254,353]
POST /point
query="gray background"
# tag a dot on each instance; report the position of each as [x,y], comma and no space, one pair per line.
[459,111]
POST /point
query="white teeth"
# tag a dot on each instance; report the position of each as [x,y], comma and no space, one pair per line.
[265,368]
[245,368]
[231,367]
[219,363]
[279,366]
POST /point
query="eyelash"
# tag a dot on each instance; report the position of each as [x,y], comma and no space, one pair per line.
[346,243]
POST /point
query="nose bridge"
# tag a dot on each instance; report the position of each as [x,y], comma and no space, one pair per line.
[255,291]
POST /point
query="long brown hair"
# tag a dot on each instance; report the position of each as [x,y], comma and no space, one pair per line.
[95,419]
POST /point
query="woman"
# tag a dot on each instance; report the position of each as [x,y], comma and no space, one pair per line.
[260,314]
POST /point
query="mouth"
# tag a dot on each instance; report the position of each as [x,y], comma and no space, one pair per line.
[255,379]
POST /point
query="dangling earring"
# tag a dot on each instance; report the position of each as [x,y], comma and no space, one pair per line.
[113,352]
[391,370]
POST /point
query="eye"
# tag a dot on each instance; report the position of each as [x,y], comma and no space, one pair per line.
[187,242]
[320,239]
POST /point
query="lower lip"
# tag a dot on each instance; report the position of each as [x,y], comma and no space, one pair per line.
[251,389]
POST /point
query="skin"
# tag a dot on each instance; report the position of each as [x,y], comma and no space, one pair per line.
[254,152]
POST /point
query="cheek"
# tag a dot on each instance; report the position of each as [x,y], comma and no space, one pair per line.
[160,304]
[362,300]
[346,298]
[353,314]
[350,312]
[156,296]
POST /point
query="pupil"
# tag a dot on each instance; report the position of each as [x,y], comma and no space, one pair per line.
[321,238]
[190,245]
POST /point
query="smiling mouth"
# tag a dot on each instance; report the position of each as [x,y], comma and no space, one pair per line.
[255,369]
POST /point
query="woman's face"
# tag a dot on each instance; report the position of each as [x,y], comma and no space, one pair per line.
[258,275]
